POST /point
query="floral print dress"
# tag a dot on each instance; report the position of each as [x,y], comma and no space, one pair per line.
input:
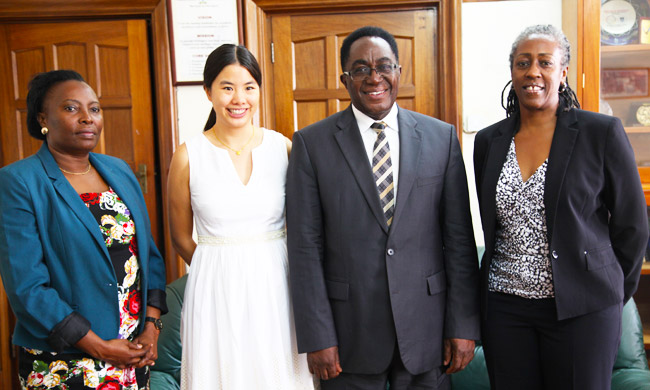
[48,370]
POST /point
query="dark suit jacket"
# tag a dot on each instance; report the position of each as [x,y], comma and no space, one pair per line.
[595,208]
[363,287]
[55,267]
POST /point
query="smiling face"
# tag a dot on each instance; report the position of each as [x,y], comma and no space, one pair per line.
[72,114]
[537,72]
[375,95]
[235,96]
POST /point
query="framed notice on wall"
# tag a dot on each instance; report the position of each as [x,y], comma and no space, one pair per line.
[197,27]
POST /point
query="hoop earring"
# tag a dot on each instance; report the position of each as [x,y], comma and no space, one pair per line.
[44,130]
[562,87]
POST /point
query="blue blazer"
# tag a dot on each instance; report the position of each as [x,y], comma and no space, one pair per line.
[55,267]
[595,209]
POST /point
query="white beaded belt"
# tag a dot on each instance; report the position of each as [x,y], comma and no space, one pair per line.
[238,240]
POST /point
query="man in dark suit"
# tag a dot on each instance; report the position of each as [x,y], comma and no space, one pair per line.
[381,249]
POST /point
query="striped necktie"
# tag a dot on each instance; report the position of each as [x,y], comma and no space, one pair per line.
[382,171]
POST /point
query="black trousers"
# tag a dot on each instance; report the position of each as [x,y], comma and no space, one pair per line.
[526,347]
[395,375]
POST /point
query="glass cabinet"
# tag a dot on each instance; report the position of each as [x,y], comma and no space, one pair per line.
[613,62]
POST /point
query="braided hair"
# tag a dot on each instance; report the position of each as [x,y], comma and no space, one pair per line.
[567,97]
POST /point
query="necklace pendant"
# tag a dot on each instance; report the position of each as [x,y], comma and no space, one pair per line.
[238,152]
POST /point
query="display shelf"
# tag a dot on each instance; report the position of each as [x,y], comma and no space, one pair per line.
[624,48]
[637,129]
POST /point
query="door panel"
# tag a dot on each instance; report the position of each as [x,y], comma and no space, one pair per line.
[309,46]
[113,58]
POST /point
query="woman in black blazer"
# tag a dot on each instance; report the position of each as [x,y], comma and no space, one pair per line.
[565,228]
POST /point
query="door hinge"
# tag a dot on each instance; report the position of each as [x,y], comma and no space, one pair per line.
[272,53]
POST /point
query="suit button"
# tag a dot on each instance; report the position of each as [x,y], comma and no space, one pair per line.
[390,251]
[554,254]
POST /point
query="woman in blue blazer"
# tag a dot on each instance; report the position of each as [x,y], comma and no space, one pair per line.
[564,221]
[77,258]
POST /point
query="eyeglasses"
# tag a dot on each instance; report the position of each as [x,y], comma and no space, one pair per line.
[363,72]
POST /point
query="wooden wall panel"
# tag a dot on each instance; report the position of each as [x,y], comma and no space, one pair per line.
[117,134]
[314,74]
[407,103]
[311,53]
[71,56]
[308,110]
[25,63]
[112,83]
[405,49]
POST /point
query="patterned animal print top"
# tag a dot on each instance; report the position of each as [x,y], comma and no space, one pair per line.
[521,265]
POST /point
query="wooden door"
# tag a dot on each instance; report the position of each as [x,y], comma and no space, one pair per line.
[306,63]
[113,58]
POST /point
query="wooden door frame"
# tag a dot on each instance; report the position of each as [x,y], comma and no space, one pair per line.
[164,98]
[257,27]
[164,101]
[589,49]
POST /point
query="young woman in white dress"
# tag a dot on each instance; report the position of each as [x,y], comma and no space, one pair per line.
[237,325]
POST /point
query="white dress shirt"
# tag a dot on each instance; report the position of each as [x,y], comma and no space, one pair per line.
[369,136]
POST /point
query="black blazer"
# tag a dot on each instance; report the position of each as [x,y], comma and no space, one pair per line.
[361,286]
[595,208]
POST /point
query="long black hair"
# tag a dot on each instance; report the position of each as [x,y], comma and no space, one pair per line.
[567,98]
[222,56]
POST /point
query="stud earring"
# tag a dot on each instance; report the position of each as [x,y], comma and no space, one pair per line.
[44,130]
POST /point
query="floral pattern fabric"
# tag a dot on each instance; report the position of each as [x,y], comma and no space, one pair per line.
[48,370]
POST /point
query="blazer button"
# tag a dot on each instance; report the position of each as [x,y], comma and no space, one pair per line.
[390,251]
[554,254]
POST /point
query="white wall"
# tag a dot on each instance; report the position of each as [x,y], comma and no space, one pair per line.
[488,30]
[193,108]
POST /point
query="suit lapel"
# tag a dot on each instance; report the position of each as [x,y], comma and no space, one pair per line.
[494,160]
[564,138]
[351,145]
[410,145]
[70,196]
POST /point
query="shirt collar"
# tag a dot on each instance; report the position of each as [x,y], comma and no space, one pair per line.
[364,121]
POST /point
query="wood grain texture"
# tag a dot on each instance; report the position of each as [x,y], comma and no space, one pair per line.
[283,67]
[165,119]
[153,11]
[432,79]
[277,6]
[589,50]
[14,10]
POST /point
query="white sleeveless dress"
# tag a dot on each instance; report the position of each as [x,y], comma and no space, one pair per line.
[237,324]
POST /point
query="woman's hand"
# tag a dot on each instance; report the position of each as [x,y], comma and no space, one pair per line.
[124,353]
[119,353]
[148,338]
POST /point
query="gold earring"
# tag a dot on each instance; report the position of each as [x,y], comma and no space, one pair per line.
[44,130]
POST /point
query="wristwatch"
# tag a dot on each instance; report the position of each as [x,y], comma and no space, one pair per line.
[157,322]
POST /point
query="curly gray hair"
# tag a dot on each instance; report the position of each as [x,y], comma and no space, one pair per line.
[547,31]
[567,96]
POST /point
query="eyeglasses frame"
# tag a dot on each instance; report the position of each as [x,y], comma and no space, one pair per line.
[393,68]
